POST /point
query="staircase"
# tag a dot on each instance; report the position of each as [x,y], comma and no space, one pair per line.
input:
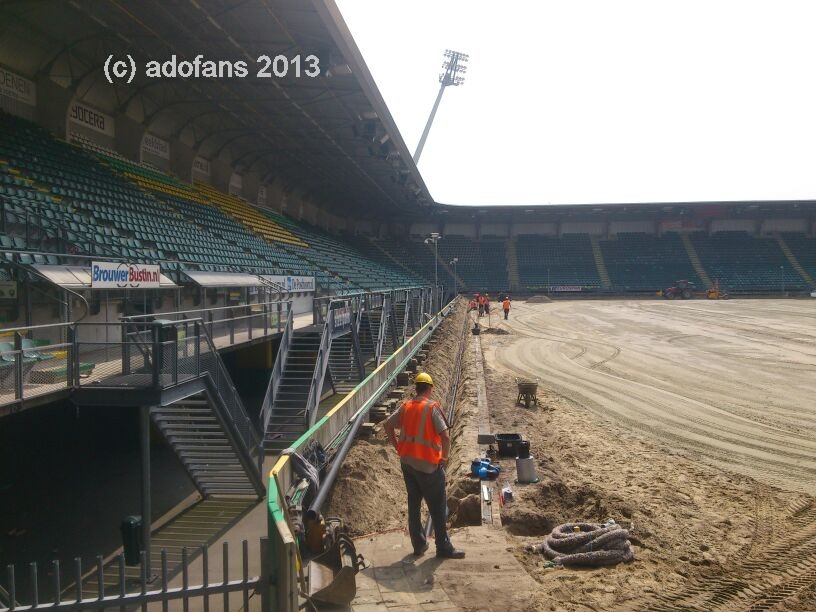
[199,438]
[600,264]
[512,265]
[794,262]
[378,326]
[367,342]
[287,421]
[342,365]
[399,320]
[695,261]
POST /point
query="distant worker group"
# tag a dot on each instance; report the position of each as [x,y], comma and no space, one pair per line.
[481,302]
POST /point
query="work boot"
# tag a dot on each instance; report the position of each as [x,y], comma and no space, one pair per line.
[450,552]
[418,552]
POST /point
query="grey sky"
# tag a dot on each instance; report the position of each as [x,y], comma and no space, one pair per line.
[596,101]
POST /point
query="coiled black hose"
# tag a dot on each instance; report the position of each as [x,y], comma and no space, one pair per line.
[591,545]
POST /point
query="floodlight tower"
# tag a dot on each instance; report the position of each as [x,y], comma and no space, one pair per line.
[454,68]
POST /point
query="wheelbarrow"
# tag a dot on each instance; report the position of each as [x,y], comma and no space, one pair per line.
[527,390]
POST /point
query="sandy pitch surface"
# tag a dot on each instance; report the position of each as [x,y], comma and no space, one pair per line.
[689,422]
[732,384]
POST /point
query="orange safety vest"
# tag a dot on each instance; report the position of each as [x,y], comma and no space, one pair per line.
[418,437]
[506,304]
[482,300]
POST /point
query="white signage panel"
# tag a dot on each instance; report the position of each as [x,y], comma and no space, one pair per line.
[91,118]
[155,146]
[295,284]
[17,88]
[115,275]
[201,166]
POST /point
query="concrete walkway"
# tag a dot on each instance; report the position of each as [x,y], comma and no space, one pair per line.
[488,578]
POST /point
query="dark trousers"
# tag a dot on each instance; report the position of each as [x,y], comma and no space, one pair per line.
[431,488]
[506,313]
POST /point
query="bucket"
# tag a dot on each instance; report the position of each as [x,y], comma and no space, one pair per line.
[525,470]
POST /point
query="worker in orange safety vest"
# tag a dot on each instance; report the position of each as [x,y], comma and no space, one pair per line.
[423,446]
[506,306]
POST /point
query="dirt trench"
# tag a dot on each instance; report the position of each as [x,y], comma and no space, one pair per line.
[369,494]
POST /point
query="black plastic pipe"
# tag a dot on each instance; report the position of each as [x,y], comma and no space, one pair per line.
[326,486]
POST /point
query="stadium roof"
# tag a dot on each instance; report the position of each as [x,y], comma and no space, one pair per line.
[332,136]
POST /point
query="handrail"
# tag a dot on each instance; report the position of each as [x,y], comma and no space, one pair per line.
[313,400]
[182,312]
[277,373]
[385,310]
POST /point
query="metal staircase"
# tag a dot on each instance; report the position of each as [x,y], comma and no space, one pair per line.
[343,367]
[199,437]
[175,368]
[286,415]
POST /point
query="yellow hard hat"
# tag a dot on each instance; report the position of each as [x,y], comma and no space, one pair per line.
[424,377]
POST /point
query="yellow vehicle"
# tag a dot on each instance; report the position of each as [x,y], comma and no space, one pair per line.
[715,293]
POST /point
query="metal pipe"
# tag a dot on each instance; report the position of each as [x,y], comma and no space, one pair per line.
[326,486]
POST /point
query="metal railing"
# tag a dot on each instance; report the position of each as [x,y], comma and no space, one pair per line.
[32,364]
[229,322]
[131,591]
[319,373]
[277,374]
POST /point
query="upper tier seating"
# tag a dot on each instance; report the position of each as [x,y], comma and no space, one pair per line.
[549,260]
[646,262]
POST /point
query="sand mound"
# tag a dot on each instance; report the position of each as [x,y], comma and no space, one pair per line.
[498,331]
[538,299]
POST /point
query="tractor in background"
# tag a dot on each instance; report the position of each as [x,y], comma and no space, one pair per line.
[682,289]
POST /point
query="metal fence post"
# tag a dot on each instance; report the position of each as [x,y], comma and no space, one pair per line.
[231,329]
[280,312]
[197,331]
[18,366]
[156,355]
[249,322]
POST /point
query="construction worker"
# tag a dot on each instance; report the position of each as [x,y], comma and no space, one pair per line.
[481,299]
[506,306]
[473,305]
[423,446]
[487,303]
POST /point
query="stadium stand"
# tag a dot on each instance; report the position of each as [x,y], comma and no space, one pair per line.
[98,203]
[415,255]
[644,262]
[482,263]
[328,252]
[566,260]
[803,248]
[743,263]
